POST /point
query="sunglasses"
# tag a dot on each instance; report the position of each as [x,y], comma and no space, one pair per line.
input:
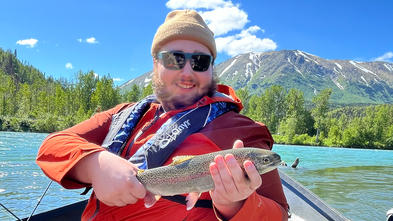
[176,60]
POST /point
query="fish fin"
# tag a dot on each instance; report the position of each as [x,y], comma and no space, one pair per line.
[180,159]
[151,199]
[191,199]
[140,171]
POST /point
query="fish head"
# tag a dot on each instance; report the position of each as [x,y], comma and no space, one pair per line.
[266,161]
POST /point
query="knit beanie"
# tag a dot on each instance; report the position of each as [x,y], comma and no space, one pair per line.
[186,25]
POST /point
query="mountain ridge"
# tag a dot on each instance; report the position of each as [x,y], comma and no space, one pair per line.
[351,81]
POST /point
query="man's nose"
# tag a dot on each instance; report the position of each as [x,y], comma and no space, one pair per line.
[187,69]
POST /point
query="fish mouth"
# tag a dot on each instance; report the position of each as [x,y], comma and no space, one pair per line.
[269,167]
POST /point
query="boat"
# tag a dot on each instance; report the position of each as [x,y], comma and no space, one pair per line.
[304,206]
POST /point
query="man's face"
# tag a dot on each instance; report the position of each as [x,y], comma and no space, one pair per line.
[180,88]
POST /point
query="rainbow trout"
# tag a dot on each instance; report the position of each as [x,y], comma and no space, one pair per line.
[191,173]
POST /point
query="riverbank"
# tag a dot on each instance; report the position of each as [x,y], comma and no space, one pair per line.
[306,140]
[50,123]
[45,124]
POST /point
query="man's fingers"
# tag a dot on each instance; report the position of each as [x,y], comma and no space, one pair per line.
[225,174]
[253,175]
[218,185]
[238,144]
[234,167]
[240,180]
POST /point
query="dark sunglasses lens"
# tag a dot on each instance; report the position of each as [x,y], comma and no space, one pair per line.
[177,60]
[173,60]
[200,62]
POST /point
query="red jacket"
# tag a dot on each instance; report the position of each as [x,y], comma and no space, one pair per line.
[62,150]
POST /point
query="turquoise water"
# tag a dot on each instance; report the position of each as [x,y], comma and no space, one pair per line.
[22,182]
[358,183]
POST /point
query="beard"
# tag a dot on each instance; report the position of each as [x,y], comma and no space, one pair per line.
[170,101]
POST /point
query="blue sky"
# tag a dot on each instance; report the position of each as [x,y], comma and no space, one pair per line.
[61,38]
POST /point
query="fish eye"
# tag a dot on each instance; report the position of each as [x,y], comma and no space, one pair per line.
[266,160]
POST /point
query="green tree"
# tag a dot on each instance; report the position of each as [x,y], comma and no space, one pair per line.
[244,96]
[60,102]
[24,98]
[273,107]
[148,90]
[296,110]
[254,108]
[321,107]
[134,94]
[105,95]
[288,129]
[6,86]
[85,86]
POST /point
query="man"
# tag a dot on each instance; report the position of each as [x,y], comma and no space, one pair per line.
[185,90]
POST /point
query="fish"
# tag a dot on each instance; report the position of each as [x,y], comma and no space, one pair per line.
[190,174]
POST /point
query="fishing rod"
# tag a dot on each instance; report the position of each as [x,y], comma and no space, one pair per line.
[9,211]
[38,203]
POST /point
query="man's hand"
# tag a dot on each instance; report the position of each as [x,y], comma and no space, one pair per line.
[232,185]
[112,177]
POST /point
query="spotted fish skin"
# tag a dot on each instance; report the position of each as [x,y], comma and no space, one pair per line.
[192,174]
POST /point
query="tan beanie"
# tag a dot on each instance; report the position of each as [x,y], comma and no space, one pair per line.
[187,25]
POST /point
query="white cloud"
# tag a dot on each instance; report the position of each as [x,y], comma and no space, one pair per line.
[68,65]
[226,19]
[117,79]
[31,42]
[385,57]
[207,4]
[223,17]
[245,42]
[91,40]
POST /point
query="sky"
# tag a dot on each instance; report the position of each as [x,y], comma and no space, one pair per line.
[61,38]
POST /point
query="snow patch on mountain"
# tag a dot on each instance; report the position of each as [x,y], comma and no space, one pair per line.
[129,82]
[339,72]
[389,67]
[296,69]
[229,66]
[364,81]
[255,58]
[249,73]
[357,65]
[338,65]
[307,58]
[337,84]
[147,81]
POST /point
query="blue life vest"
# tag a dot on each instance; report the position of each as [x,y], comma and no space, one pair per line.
[172,133]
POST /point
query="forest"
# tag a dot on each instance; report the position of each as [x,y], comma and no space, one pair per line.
[32,102]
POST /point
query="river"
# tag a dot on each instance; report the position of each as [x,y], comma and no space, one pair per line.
[356,182]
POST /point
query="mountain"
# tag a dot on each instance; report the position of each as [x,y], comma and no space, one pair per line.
[352,82]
